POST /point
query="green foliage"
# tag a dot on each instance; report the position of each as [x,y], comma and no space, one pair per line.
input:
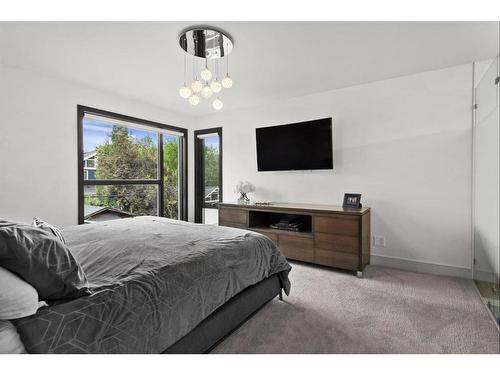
[211,156]
[124,157]
[171,178]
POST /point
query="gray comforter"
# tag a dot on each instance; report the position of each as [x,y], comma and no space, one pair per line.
[153,280]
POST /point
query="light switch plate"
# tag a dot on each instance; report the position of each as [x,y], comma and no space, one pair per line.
[379,241]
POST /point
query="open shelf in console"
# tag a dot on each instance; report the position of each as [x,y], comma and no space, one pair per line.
[262,220]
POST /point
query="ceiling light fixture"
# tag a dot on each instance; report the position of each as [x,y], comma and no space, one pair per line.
[227,82]
[184,91]
[205,73]
[207,44]
[206,92]
[217,104]
[196,85]
[194,99]
[216,86]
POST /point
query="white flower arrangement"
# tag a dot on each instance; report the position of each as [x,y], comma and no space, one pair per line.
[244,187]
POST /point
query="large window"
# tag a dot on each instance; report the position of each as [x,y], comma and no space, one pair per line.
[129,167]
[208,174]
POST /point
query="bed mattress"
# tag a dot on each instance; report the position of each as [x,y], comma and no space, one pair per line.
[153,280]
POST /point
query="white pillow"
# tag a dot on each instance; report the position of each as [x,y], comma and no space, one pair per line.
[17,298]
[10,342]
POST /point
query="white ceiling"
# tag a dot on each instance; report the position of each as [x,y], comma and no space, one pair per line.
[270,60]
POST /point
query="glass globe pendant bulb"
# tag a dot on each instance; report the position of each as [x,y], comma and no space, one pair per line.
[216,86]
[217,104]
[194,99]
[227,82]
[206,74]
[206,92]
[185,92]
[196,86]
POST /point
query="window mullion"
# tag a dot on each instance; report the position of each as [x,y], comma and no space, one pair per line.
[161,190]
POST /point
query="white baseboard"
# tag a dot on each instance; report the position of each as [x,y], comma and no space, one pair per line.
[418,266]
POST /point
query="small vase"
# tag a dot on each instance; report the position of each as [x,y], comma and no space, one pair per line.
[243,198]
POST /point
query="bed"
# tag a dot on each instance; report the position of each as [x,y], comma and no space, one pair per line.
[158,286]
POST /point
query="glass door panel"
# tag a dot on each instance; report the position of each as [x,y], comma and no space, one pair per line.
[208,167]
[486,190]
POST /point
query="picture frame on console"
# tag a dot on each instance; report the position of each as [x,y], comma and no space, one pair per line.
[352,200]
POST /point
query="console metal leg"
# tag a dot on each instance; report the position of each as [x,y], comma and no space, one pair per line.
[359,274]
[281,295]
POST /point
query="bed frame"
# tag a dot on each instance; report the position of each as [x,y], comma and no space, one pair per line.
[227,318]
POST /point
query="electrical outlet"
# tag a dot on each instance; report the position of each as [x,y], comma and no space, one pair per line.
[379,241]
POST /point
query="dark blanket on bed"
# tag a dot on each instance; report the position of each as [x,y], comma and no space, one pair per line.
[153,280]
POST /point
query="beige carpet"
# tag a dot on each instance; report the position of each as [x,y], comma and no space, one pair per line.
[388,311]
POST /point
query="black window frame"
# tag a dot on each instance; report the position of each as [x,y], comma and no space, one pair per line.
[199,202]
[183,155]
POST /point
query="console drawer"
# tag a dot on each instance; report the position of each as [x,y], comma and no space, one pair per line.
[232,215]
[337,242]
[298,248]
[336,259]
[337,224]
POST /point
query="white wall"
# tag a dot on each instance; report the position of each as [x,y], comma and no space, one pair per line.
[404,143]
[38,142]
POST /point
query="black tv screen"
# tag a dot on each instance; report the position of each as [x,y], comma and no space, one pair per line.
[300,146]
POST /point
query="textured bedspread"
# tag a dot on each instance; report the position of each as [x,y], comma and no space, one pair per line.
[153,281]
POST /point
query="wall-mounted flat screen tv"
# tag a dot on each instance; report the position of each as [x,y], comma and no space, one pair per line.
[299,146]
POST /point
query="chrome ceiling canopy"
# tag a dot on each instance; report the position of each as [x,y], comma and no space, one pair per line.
[205,43]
